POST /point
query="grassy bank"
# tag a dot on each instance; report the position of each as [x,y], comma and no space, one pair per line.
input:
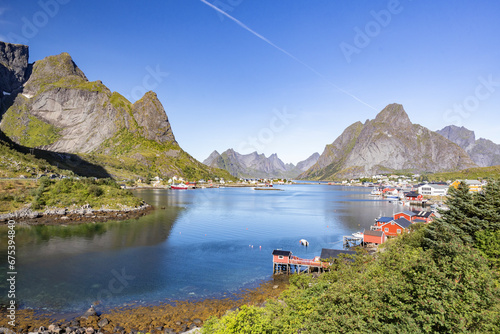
[69,192]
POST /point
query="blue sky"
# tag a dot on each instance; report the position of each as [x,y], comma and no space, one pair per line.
[288,77]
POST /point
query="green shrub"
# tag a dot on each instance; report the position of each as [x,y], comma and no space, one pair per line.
[95,190]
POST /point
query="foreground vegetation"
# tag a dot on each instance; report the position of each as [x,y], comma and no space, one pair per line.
[441,278]
[68,192]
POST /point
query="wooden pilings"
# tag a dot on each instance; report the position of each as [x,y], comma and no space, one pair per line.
[288,268]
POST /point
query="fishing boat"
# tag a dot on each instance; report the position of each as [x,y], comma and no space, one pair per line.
[180,186]
[375,192]
[358,234]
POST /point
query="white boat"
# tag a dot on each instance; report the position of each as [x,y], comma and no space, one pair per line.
[375,192]
[179,186]
[358,234]
[304,242]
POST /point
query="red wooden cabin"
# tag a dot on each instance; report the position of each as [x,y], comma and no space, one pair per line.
[374,237]
[281,256]
[396,227]
[414,196]
[408,215]
[426,216]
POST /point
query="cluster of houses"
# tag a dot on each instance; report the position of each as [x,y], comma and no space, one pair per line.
[385,227]
[419,192]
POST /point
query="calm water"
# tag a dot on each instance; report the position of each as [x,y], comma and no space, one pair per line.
[205,243]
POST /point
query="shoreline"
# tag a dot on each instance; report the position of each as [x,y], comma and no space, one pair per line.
[72,216]
[166,317]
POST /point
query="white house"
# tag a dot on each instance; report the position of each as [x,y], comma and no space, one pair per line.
[433,190]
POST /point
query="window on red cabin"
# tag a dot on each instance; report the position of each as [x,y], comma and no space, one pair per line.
[280,257]
[399,231]
[387,229]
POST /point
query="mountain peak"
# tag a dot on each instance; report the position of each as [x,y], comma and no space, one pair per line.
[393,114]
[390,142]
[212,158]
[13,66]
[150,115]
[51,69]
[483,152]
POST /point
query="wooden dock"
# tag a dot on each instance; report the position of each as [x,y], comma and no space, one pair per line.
[297,265]
[351,241]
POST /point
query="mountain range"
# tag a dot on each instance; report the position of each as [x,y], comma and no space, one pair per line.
[256,165]
[52,106]
[483,152]
[388,143]
[50,109]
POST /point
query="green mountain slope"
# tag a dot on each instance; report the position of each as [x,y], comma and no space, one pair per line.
[58,110]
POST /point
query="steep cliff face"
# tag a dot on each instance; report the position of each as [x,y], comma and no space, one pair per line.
[13,66]
[60,110]
[152,119]
[256,165]
[482,151]
[56,108]
[390,142]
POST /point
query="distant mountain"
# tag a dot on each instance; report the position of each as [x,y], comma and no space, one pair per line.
[302,166]
[388,143]
[483,152]
[256,165]
[51,105]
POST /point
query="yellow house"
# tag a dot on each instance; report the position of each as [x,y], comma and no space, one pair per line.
[474,185]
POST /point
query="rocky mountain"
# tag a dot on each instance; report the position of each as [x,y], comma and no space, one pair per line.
[304,165]
[51,105]
[483,152]
[256,165]
[388,143]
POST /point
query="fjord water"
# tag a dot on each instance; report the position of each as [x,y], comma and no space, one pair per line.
[196,244]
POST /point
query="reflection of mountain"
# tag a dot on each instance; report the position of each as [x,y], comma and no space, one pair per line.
[56,242]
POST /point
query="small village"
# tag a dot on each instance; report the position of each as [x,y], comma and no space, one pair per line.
[384,227]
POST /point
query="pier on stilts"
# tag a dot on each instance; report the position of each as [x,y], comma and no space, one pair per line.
[349,241]
[296,265]
[285,263]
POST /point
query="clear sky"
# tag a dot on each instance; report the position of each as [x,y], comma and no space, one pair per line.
[283,77]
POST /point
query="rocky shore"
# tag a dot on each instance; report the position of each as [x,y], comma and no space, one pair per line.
[84,214]
[172,317]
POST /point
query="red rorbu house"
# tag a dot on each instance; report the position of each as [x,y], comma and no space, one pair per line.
[408,215]
[414,196]
[374,237]
[382,221]
[281,256]
[424,216]
[395,227]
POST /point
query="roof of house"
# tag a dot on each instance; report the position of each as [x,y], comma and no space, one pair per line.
[419,221]
[423,214]
[373,233]
[384,219]
[403,222]
[408,213]
[281,252]
[436,186]
[472,182]
[412,194]
[334,253]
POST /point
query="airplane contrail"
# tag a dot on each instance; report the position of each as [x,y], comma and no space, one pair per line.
[247,28]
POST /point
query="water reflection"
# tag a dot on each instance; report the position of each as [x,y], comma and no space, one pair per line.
[198,243]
